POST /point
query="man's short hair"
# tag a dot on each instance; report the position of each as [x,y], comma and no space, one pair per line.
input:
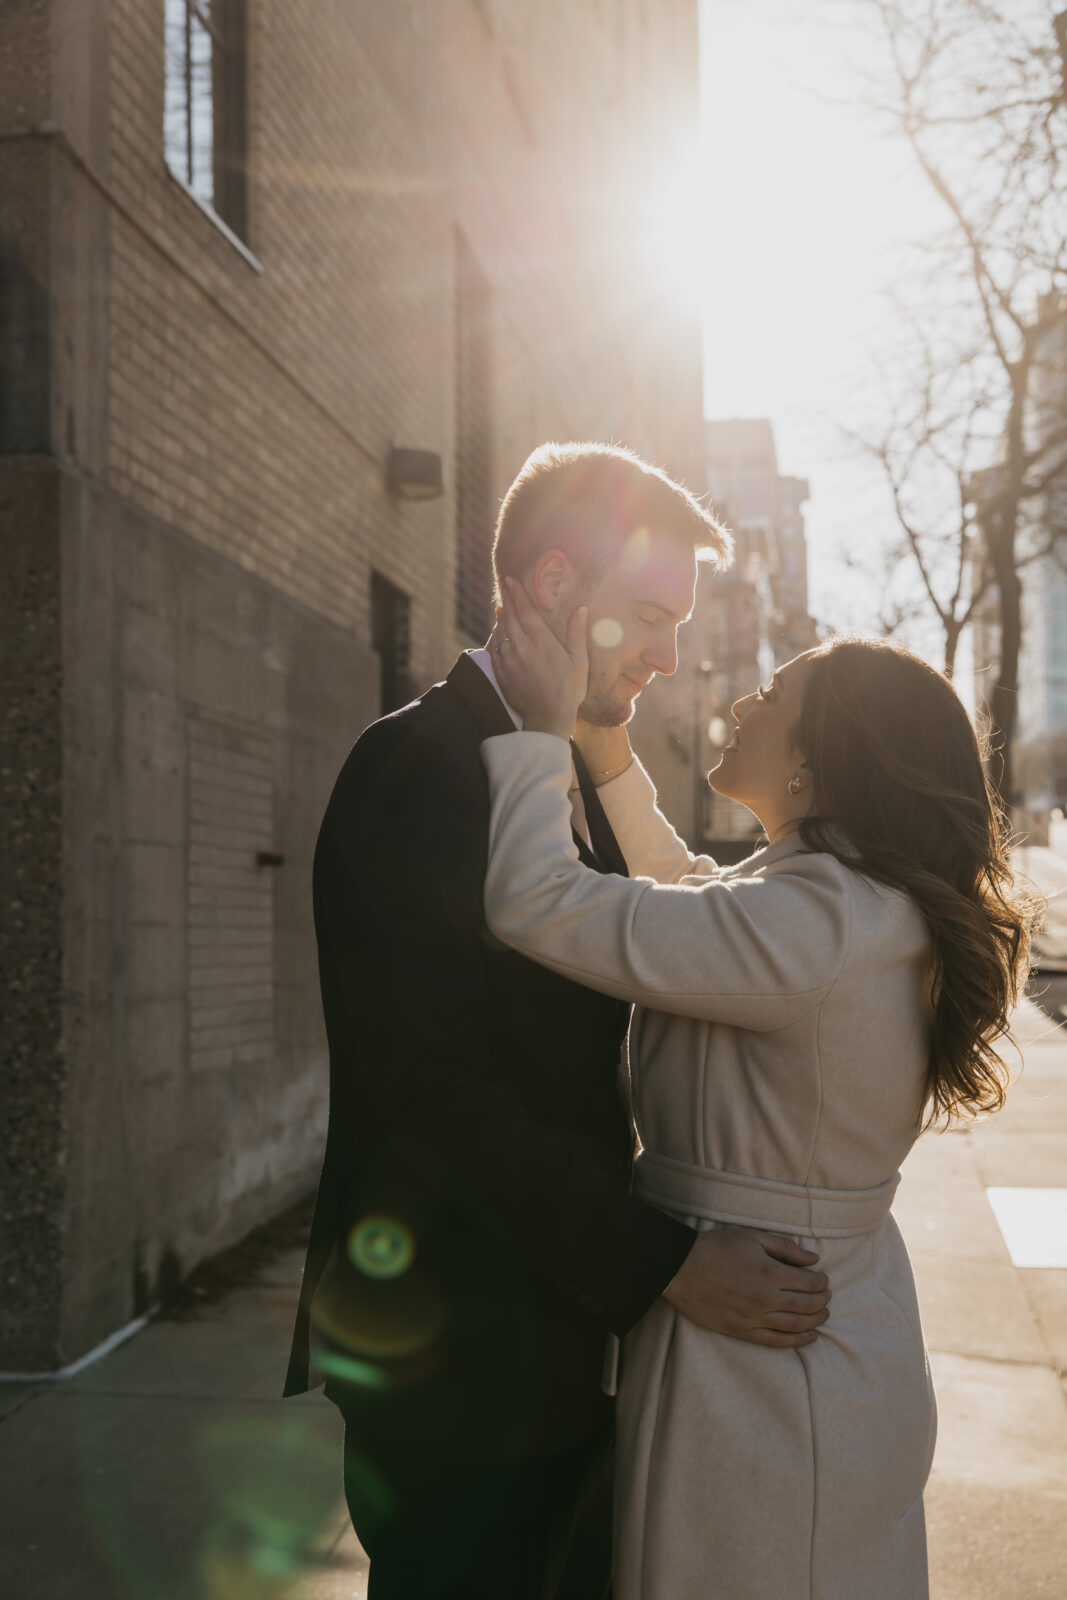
[587,500]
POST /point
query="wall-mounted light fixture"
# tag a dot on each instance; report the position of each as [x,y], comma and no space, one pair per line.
[414,474]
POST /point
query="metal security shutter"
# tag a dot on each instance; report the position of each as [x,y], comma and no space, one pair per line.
[230,896]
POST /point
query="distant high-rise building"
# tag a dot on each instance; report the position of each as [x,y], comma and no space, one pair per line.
[745,623]
[764,509]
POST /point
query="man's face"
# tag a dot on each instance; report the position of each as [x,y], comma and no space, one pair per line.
[635,610]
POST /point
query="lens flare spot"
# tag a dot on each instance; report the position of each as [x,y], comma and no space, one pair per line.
[606,633]
[274,1565]
[381,1247]
[347,1368]
[636,551]
[272,1484]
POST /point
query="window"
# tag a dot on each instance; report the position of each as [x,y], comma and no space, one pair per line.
[474,588]
[391,637]
[204,119]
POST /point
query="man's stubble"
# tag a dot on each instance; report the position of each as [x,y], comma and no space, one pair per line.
[600,708]
[600,711]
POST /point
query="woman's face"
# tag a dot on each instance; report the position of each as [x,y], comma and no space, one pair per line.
[757,766]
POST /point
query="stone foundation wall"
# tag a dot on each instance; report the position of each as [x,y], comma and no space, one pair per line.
[34,1063]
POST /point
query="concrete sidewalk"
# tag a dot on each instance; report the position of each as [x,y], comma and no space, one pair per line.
[171,1470]
[997,1497]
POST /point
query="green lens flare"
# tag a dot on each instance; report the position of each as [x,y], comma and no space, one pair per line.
[272,1485]
[351,1370]
[381,1247]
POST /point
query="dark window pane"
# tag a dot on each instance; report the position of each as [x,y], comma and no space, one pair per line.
[474,453]
[391,638]
[205,106]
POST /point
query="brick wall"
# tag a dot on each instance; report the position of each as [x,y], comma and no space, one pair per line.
[254,408]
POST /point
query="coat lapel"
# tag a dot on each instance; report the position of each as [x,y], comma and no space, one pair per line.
[491,716]
[481,699]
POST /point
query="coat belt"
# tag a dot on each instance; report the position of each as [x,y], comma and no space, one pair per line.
[730,1197]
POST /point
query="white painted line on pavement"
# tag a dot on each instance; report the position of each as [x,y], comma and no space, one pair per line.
[1033,1223]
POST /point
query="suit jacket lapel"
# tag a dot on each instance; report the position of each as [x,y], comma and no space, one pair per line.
[481,699]
[491,716]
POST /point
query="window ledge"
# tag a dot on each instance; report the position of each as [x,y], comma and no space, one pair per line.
[213,217]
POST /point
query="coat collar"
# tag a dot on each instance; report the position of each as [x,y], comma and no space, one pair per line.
[482,701]
[793,844]
[788,845]
[764,856]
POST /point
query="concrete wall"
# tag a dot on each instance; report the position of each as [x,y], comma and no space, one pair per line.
[205,718]
[193,435]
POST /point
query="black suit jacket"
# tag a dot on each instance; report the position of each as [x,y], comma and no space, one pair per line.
[474,1235]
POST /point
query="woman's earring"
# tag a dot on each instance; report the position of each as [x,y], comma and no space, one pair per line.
[795,784]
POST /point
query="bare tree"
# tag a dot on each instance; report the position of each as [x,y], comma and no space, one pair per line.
[890,609]
[975,452]
[924,451]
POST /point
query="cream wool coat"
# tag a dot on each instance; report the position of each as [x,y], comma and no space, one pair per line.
[777,1052]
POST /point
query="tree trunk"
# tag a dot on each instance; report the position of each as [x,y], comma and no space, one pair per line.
[1001,525]
[952,640]
[1004,700]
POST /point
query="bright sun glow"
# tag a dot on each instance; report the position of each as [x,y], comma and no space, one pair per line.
[679,232]
[805,208]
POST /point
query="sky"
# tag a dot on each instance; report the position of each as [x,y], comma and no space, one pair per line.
[803,210]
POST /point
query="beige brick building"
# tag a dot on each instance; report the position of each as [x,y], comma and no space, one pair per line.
[246,249]
[745,623]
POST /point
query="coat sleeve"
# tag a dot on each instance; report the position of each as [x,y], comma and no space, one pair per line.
[647,840]
[757,952]
[399,881]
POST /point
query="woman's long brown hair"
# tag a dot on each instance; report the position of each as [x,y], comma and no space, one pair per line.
[901,794]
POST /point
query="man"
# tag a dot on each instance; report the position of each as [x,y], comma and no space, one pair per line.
[475,1238]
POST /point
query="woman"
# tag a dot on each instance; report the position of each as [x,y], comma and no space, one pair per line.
[797,1019]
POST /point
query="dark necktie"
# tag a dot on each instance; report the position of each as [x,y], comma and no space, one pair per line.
[604,843]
